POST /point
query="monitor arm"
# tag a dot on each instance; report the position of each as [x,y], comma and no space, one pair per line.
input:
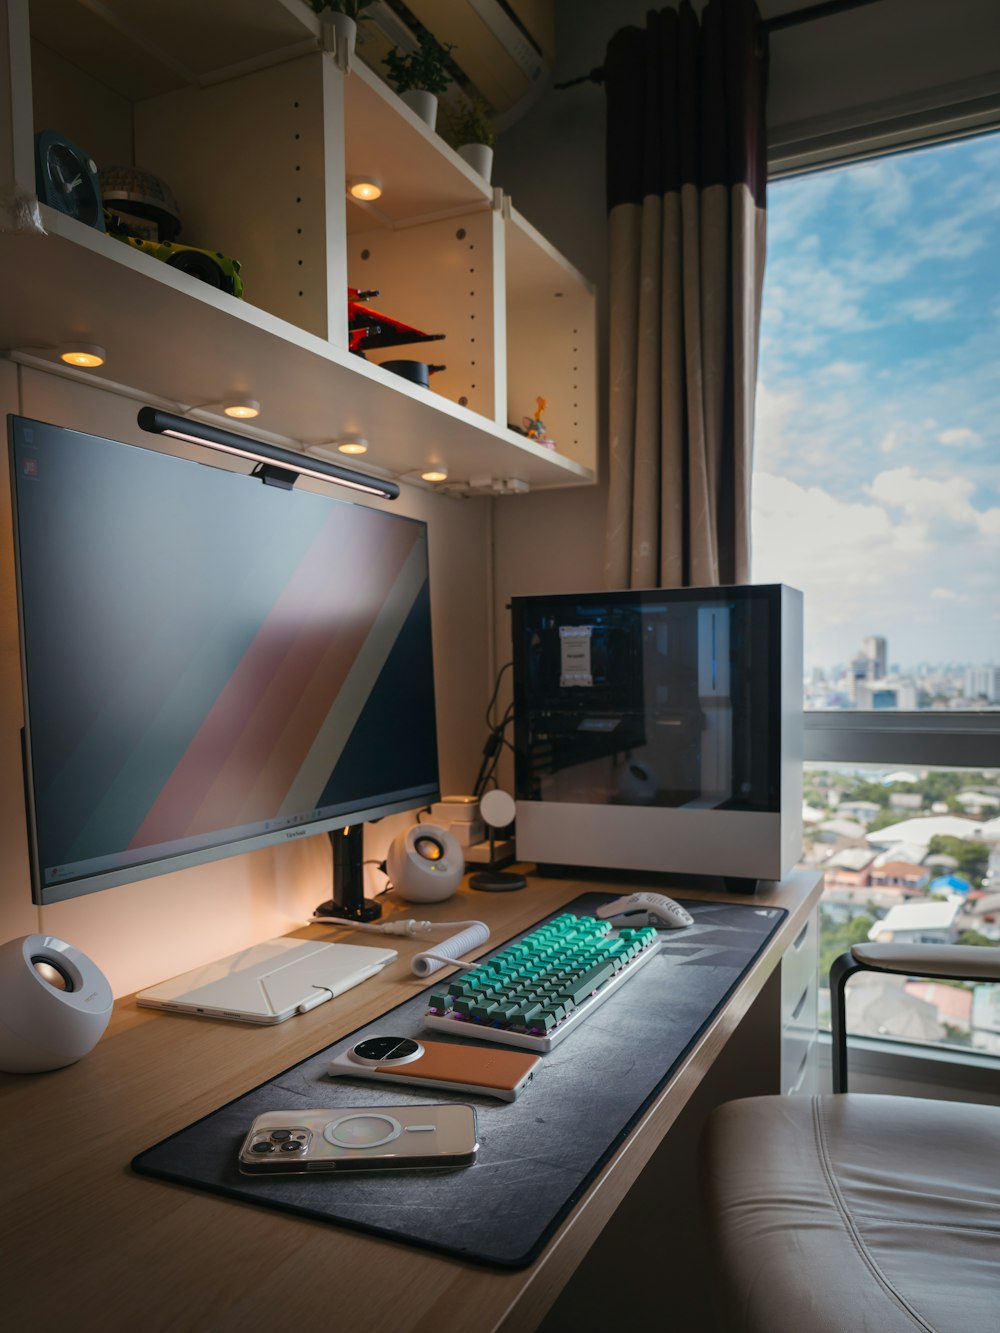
[348,902]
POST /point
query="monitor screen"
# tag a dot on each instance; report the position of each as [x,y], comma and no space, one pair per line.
[666,698]
[210,664]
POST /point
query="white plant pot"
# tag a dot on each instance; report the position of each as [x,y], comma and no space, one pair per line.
[344,31]
[425,104]
[479,157]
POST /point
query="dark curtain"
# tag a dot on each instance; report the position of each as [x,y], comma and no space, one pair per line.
[686,177]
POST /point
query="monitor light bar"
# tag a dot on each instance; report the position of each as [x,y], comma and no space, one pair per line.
[277,466]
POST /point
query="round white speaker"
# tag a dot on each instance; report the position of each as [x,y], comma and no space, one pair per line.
[54,1004]
[425,864]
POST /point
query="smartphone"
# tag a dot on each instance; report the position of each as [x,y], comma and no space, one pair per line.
[361,1138]
[487,1071]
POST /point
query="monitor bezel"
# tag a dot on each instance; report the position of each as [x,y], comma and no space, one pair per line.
[44,894]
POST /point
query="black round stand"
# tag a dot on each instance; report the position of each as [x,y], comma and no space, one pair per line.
[497,881]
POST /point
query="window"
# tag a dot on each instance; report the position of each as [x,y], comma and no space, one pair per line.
[877,492]
[908,855]
[876,485]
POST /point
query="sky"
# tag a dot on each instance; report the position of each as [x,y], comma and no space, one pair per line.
[877,450]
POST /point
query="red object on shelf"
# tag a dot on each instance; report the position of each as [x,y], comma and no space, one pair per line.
[371,328]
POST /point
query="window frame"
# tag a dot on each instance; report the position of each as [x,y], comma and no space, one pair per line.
[931,738]
[928,738]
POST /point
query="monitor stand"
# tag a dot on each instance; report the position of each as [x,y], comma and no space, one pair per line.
[348,902]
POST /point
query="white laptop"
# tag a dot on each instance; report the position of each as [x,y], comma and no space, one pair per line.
[269,982]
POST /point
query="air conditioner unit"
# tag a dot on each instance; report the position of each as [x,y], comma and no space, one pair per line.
[504,49]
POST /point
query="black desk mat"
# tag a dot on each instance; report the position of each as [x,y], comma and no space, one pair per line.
[538,1154]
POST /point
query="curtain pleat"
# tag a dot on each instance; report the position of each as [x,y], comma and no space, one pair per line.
[686,179]
[623,342]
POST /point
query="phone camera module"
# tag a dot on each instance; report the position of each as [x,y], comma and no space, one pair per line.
[380,1050]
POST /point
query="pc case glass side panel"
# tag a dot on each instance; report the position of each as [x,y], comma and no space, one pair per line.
[210,664]
[661,698]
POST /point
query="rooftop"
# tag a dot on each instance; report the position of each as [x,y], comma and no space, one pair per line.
[922,830]
[917,916]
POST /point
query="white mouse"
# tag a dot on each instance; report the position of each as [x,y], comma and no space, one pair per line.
[640,909]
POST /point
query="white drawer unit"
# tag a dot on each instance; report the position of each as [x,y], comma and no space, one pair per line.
[799,998]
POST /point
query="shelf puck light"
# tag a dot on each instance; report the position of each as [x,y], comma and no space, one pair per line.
[365,188]
[87,355]
[352,444]
[435,473]
[242,409]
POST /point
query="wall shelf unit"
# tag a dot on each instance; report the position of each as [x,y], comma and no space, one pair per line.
[257,137]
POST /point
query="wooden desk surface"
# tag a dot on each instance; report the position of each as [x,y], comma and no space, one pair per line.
[89,1245]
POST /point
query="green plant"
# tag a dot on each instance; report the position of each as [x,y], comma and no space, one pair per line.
[425,68]
[972,857]
[470,123]
[354,9]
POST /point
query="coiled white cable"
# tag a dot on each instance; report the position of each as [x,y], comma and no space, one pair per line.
[449,952]
[428,961]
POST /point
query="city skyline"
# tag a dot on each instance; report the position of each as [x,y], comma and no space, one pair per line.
[876,486]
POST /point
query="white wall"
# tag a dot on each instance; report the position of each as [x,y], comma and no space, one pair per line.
[153,929]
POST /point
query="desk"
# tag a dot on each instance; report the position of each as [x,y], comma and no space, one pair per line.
[90,1246]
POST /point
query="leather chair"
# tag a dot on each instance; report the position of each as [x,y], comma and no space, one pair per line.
[857,1213]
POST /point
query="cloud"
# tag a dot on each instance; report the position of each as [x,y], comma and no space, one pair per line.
[880,566]
[877,385]
[960,437]
[888,442]
[927,308]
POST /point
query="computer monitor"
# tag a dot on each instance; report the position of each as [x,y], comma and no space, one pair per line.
[210,665]
[660,730]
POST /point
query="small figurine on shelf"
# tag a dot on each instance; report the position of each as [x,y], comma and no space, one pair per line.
[534,427]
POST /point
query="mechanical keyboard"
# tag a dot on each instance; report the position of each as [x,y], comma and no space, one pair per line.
[534,992]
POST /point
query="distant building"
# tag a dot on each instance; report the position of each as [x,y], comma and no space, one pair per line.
[953,1004]
[921,831]
[848,867]
[880,1006]
[940,861]
[876,650]
[986,1018]
[906,800]
[863,811]
[838,830]
[899,875]
[874,696]
[978,802]
[918,923]
[983,683]
[907,696]
[857,674]
[914,852]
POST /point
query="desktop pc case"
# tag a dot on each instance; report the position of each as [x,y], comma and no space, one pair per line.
[660,730]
